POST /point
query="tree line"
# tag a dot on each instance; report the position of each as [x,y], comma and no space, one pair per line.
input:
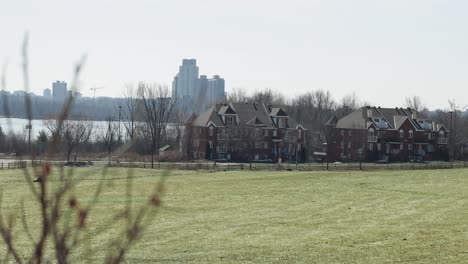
[146,114]
[151,119]
[313,109]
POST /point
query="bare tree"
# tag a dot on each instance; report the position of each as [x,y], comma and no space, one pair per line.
[62,218]
[71,133]
[269,97]
[348,104]
[131,111]
[415,102]
[238,95]
[157,106]
[108,135]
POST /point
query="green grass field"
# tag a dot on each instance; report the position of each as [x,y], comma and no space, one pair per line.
[281,217]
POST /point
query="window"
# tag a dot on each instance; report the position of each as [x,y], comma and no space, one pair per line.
[379,134]
[402,133]
[410,146]
[401,146]
[258,145]
[210,144]
[221,147]
[387,148]
[275,133]
[342,145]
[211,130]
[379,146]
[299,135]
[349,145]
[370,132]
[230,121]
[342,132]
[265,132]
[290,149]
[257,132]
[265,145]
[281,122]
[350,133]
[430,148]
[411,134]
[371,147]
[222,131]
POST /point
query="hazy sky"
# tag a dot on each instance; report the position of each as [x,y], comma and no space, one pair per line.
[382,50]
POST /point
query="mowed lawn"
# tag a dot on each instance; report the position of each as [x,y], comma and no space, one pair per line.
[278,217]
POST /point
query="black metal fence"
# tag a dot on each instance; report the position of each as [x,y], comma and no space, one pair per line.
[213,166]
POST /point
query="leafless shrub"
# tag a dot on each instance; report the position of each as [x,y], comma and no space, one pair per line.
[64,217]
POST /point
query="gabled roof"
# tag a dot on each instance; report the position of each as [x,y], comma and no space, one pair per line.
[190,119]
[390,118]
[352,121]
[255,122]
[276,111]
[207,116]
[332,121]
[226,109]
[248,111]
[248,114]
[399,120]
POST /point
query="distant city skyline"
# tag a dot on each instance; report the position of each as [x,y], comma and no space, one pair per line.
[196,92]
[383,51]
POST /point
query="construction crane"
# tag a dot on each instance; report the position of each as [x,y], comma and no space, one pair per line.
[94,90]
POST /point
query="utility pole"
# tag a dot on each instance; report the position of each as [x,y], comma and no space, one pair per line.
[29,127]
[118,140]
[450,138]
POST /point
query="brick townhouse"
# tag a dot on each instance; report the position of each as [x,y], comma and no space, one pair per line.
[243,132]
[386,134]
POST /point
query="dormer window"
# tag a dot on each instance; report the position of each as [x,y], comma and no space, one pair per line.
[281,122]
[411,134]
[230,120]
[210,131]
[402,133]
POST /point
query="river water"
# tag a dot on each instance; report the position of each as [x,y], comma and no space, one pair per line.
[18,126]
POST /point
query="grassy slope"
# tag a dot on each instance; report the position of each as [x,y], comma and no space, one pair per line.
[322,217]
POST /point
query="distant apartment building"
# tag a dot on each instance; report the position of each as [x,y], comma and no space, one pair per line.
[47,92]
[388,135]
[185,83]
[195,93]
[215,92]
[59,90]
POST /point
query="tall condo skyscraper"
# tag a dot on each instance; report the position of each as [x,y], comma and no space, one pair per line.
[59,90]
[195,93]
[215,92]
[185,82]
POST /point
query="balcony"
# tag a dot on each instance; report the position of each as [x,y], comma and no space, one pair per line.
[222,136]
[221,149]
[371,138]
[442,141]
[290,139]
